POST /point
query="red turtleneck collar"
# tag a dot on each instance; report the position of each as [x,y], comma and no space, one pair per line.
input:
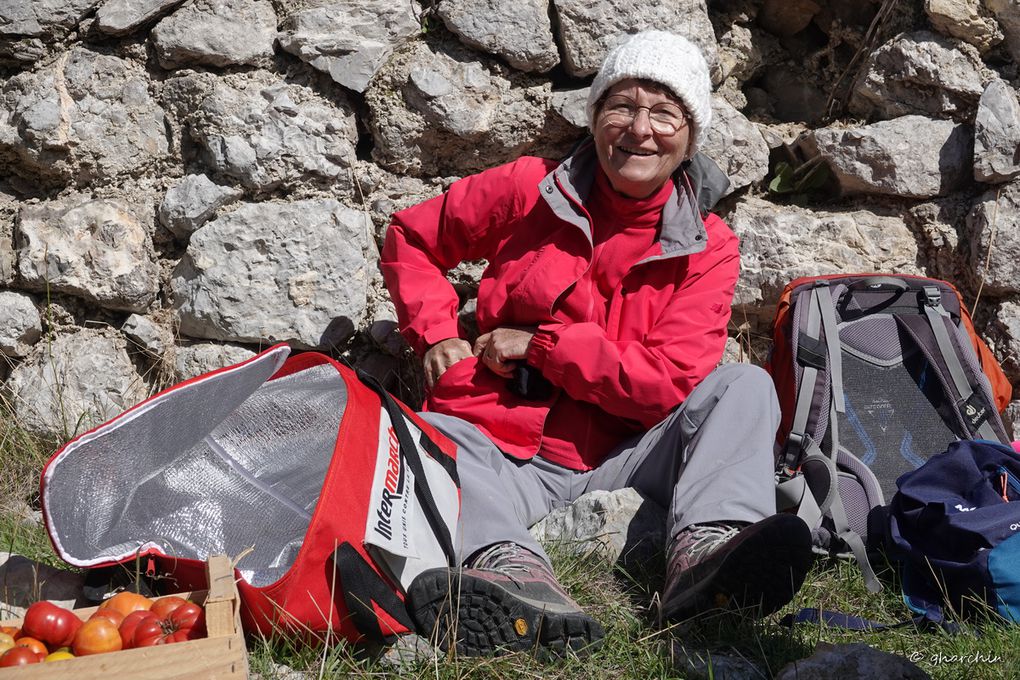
[607,205]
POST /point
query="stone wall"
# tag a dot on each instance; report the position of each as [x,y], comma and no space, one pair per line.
[184,182]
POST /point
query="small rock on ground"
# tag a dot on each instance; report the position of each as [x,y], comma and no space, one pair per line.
[851,662]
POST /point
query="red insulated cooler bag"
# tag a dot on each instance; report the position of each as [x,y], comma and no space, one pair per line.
[332,495]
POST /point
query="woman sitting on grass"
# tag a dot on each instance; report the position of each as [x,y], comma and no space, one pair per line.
[603,314]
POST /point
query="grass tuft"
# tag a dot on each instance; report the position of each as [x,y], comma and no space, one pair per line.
[22,457]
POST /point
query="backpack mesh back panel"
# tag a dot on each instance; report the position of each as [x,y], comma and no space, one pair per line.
[856,502]
[892,422]
[859,496]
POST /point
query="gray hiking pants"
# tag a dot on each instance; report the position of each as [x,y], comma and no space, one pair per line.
[710,460]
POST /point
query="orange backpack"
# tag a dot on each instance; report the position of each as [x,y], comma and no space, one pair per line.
[875,374]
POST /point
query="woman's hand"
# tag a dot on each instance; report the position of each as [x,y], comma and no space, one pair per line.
[501,349]
[442,355]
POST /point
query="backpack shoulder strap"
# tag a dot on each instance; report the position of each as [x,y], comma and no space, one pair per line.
[818,353]
[821,339]
[938,319]
[853,541]
[835,619]
[365,594]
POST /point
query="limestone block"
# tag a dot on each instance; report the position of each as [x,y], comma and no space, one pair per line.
[588,29]
[277,272]
[856,660]
[780,243]
[349,40]
[120,17]
[437,109]
[616,525]
[736,145]
[216,33]
[993,236]
[919,73]
[28,26]
[997,134]
[187,206]
[200,358]
[78,381]
[967,20]
[519,32]
[20,323]
[910,156]
[86,116]
[96,249]
[267,134]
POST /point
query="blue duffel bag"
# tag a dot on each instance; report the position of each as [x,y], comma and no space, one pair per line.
[954,524]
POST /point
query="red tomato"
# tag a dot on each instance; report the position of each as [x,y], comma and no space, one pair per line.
[111,614]
[190,619]
[96,636]
[130,625]
[151,630]
[126,602]
[37,646]
[53,625]
[19,656]
[164,605]
[145,629]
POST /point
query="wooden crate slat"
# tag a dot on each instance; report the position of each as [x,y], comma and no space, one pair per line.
[220,655]
[206,658]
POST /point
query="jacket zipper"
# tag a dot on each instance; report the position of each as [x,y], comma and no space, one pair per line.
[591,242]
[593,286]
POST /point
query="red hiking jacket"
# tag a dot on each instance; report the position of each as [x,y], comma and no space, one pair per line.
[665,329]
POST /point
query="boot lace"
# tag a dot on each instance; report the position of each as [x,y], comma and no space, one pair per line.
[702,539]
[506,559]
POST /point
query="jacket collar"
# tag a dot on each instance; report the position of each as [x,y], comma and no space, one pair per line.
[567,187]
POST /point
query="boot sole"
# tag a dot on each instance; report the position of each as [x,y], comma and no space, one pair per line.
[480,618]
[759,577]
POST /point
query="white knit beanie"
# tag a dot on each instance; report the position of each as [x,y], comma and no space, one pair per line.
[666,58]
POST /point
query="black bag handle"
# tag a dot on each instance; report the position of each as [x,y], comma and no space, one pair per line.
[360,587]
[410,451]
[887,283]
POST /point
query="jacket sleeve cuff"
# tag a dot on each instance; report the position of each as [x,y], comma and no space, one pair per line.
[542,343]
[437,333]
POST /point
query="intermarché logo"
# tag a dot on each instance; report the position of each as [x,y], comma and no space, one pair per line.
[393,488]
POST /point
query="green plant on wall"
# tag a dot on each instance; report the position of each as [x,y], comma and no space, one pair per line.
[803,179]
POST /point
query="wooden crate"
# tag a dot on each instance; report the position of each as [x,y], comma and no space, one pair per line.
[220,655]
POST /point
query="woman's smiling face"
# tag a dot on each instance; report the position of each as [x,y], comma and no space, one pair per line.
[636,158]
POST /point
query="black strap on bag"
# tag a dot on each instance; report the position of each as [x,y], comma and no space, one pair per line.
[363,589]
[410,453]
[932,618]
[448,462]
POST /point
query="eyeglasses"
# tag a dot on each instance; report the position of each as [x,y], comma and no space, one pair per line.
[664,118]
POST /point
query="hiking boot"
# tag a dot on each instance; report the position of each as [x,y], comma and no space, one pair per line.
[506,599]
[752,568]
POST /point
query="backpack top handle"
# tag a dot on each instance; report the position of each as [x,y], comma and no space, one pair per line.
[879,283]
